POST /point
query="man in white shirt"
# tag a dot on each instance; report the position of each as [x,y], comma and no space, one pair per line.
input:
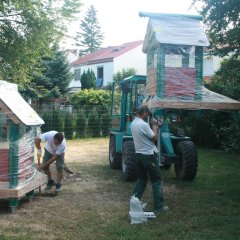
[54,151]
[146,159]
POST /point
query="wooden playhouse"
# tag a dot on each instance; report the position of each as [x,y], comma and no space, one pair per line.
[18,127]
[174,45]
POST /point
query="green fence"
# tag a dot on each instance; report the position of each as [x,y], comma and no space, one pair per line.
[83,123]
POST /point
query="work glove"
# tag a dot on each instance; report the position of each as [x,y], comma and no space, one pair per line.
[39,153]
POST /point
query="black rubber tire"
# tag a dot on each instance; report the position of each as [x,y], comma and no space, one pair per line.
[129,161]
[114,157]
[166,166]
[186,168]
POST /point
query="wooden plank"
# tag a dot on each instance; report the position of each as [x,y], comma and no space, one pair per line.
[36,181]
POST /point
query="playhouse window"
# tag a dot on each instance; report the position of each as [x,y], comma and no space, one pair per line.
[180,56]
[3,127]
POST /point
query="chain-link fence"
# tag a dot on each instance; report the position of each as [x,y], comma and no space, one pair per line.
[82,123]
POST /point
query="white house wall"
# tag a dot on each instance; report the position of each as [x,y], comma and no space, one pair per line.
[132,59]
[210,65]
[107,70]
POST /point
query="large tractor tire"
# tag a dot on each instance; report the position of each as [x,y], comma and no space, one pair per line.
[129,161]
[114,157]
[186,168]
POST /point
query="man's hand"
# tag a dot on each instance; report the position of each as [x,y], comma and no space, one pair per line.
[39,153]
[42,167]
[154,121]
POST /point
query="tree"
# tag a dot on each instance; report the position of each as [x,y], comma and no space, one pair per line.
[88,79]
[27,29]
[90,36]
[124,73]
[223,25]
[52,78]
[226,80]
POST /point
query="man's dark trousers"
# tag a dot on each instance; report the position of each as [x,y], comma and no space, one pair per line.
[147,165]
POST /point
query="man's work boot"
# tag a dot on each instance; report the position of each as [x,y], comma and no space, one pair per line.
[50,184]
[58,187]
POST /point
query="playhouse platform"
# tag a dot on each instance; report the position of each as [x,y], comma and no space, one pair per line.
[37,180]
[210,100]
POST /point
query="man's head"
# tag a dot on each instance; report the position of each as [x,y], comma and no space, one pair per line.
[58,138]
[143,112]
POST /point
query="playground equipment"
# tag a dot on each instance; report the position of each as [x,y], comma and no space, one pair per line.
[174,47]
[18,127]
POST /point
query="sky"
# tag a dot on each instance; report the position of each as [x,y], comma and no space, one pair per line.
[120,21]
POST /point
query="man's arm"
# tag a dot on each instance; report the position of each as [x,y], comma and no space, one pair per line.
[155,130]
[37,141]
[45,165]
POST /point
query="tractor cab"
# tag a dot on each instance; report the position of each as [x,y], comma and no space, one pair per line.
[127,96]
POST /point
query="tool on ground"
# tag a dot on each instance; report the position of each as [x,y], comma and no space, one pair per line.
[39,188]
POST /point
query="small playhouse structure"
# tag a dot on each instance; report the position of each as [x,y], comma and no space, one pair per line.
[174,45]
[18,128]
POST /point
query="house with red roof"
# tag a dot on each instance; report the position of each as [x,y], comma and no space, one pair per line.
[105,62]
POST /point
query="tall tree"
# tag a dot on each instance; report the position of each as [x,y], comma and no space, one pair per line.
[223,24]
[54,78]
[124,73]
[88,79]
[27,28]
[90,36]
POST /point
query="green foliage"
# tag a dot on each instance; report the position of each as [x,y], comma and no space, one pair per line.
[47,117]
[53,80]
[81,124]
[222,21]
[27,29]
[68,125]
[90,36]
[226,80]
[88,79]
[57,121]
[94,126]
[53,120]
[213,129]
[124,73]
[105,124]
[90,98]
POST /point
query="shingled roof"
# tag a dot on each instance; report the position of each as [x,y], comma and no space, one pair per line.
[107,54]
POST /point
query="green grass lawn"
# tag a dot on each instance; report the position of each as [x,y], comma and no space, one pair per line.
[98,206]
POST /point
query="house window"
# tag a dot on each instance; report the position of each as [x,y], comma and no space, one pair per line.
[100,77]
[77,74]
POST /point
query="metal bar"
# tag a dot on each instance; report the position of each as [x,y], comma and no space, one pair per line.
[161,15]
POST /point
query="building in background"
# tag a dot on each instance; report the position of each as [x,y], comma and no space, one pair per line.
[211,64]
[105,62]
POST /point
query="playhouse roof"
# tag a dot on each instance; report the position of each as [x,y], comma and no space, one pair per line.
[16,107]
[174,29]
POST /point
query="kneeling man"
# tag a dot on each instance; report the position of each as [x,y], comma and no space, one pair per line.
[54,151]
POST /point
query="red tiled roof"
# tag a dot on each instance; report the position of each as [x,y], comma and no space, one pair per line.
[107,54]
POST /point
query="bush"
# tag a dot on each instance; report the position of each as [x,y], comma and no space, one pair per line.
[81,124]
[105,124]
[47,118]
[91,98]
[88,79]
[68,125]
[94,126]
[57,120]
